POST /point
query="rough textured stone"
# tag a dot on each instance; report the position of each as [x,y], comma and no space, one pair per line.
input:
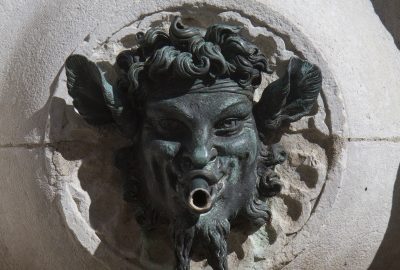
[32,235]
[348,34]
[49,216]
[358,223]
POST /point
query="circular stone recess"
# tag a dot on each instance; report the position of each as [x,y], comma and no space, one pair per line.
[90,187]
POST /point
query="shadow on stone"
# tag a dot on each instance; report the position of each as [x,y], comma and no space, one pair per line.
[388,254]
[388,12]
[77,152]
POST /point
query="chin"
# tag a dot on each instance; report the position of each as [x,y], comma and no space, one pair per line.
[208,232]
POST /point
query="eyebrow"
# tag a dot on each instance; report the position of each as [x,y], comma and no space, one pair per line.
[236,104]
[170,109]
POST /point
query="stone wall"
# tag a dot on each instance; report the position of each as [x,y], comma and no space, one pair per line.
[388,12]
[60,197]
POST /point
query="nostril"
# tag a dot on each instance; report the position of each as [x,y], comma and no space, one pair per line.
[199,158]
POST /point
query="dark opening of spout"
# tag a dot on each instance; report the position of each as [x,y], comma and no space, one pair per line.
[199,197]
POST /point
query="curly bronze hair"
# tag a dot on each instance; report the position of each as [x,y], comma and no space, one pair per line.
[187,54]
[189,59]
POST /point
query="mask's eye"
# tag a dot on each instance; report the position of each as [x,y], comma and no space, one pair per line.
[228,127]
[168,124]
[169,127]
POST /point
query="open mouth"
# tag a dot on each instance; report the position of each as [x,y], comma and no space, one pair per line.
[198,190]
[201,188]
[199,197]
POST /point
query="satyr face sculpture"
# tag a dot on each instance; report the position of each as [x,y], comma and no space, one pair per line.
[203,153]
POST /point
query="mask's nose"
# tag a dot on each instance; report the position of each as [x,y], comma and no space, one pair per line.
[199,151]
[200,157]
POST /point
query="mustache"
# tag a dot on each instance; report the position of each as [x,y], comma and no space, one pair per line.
[207,175]
[213,171]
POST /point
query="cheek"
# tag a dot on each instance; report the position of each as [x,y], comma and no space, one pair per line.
[160,149]
[243,146]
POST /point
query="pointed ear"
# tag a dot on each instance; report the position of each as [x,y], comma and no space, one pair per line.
[86,85]
[95,98]
[287,99]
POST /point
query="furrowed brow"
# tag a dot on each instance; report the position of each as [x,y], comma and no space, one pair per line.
[169,111]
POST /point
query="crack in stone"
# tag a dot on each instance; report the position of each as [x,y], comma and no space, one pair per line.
[36,145]
[374,139]
[26,145]
[282,265]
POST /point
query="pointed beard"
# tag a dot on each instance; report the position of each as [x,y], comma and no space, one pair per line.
[210,234]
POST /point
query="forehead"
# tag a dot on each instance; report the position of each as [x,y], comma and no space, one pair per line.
[205,103]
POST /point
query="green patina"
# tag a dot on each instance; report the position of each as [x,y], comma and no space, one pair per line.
[203,153]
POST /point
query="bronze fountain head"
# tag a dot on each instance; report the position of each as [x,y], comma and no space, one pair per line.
[203,152]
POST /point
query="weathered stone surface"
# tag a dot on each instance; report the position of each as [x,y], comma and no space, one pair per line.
[338,24]
[32,234]
[347,34]
[54,215]
[358,223]
[77,163]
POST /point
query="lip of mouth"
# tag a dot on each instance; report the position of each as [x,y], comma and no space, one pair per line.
[207,175]
[215,184]
[199,189]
